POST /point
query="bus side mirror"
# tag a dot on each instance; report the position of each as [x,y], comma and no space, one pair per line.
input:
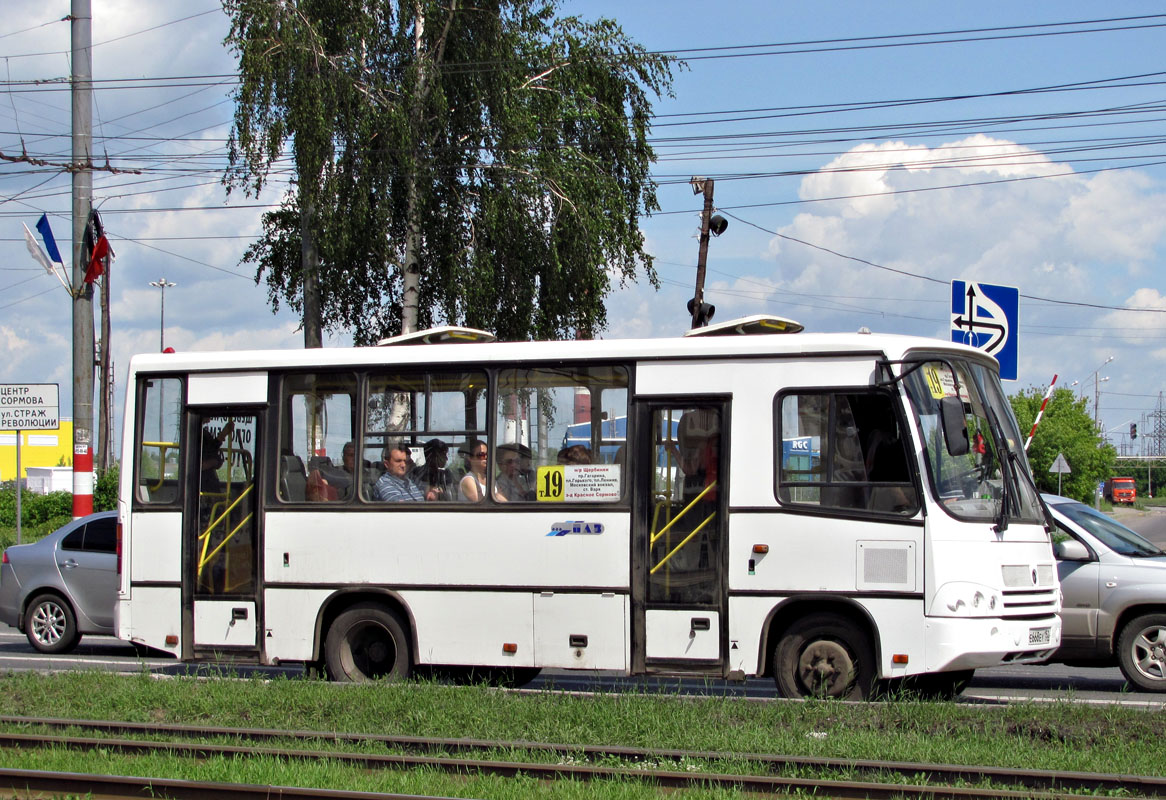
[955,427]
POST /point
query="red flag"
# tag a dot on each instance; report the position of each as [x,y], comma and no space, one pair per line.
[96,246]
[97,260]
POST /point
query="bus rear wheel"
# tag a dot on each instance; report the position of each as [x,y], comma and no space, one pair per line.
[367,642]
[824,655]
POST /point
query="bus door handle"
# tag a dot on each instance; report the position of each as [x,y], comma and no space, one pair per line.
[699,624]
[238,614]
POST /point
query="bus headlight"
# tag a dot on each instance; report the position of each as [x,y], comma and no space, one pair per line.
[960,599]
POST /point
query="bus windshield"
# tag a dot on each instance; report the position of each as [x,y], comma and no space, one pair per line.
[991,481]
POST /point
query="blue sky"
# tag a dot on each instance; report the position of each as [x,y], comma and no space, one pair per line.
[1067,206]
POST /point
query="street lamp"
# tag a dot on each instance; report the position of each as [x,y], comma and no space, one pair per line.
[162,284]
[1097,391]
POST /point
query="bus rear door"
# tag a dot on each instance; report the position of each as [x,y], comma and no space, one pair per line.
[221,534]
[678,545]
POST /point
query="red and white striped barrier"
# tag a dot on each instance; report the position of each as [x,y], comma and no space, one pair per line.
[1036,421]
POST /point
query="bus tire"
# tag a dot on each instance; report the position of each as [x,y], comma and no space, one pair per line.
[50,625]
[824,655]
[367,642]
[1141,652]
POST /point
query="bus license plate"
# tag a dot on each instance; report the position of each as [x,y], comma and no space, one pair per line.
[1040,635]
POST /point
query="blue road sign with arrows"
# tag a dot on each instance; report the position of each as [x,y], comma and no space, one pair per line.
[987,317]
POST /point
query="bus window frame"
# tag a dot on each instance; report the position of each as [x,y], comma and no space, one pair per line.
[850,512]
[365,374]
[140,504]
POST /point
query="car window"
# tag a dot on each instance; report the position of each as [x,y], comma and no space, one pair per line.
[101,536]
[1114,535]
[75,540]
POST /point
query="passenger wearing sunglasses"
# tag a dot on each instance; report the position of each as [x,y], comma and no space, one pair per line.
[473,485]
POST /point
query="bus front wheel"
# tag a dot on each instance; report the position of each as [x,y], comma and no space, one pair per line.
[367,642]
[824,655]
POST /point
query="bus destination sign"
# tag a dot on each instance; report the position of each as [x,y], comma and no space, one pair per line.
[29,407]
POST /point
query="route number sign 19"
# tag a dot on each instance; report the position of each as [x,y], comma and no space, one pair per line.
[988,317]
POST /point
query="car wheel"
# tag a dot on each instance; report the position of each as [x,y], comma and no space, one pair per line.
[50,625]
[824,655]
[367,642]
[1141,652]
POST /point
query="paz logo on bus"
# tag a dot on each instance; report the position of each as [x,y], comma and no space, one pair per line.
[575,526]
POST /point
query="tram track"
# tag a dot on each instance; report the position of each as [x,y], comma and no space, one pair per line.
[768,774]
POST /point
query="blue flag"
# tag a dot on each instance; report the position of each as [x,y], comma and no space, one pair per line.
[46,233]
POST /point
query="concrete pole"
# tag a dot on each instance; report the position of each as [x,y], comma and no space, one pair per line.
[82,94]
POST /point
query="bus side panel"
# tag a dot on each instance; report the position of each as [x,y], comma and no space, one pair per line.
[156,552]
[289,616]
[821,554]
[472,627]
[396,547]
[154,614]
[581,631]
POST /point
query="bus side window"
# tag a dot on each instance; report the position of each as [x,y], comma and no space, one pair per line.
[159,457]
[844,451]
[558,435]
[316,429]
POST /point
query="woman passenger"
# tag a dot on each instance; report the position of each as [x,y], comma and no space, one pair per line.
[473,485]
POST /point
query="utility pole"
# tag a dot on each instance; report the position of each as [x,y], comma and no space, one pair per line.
[700,310]
[82,93]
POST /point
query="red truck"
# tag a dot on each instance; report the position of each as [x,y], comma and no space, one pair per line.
[1120,490]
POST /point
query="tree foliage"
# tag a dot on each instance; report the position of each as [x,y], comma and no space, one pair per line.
[1065,428]
[485,165]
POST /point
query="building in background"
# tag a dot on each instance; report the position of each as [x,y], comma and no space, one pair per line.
[37,449]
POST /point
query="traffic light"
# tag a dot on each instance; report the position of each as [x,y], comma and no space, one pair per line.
[1133,430]
[702,315]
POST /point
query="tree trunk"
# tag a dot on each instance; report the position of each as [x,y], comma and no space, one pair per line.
[310,261]
[411,289]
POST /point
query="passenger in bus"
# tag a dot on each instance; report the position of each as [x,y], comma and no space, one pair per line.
[395,486]
[327,482]
[512,483]
[575,454]
[212,459]
[434,478]
[473,485]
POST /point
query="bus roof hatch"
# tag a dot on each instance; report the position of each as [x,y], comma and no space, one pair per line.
[444,334]
[757,323]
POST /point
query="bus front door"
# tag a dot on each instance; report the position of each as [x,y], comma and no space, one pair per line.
[681,520]
[221,535]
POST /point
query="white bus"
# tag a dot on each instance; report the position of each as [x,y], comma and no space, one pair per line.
[834,510]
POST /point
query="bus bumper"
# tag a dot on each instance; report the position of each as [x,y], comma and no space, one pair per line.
[969,643]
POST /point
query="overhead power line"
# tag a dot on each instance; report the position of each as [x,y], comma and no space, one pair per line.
[919,276]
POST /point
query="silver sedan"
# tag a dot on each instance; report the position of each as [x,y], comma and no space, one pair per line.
[64,585]
[1114,587]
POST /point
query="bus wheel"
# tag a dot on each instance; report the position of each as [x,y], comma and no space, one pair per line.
[824,655]
[1141,652]
[365,643]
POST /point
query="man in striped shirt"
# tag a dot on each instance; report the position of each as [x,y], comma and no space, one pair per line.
[395,486]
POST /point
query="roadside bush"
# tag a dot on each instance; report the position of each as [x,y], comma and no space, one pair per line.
[105,490]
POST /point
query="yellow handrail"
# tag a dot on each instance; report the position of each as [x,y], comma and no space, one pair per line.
[656,536]
[205,536]
[164,446]
[685,541]
[209,556]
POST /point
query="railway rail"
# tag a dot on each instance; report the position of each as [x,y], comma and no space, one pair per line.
[774,773]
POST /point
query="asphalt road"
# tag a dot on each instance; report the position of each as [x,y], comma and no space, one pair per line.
[993,686]
[996,685]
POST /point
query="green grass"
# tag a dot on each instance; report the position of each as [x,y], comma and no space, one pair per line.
[1060,736]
